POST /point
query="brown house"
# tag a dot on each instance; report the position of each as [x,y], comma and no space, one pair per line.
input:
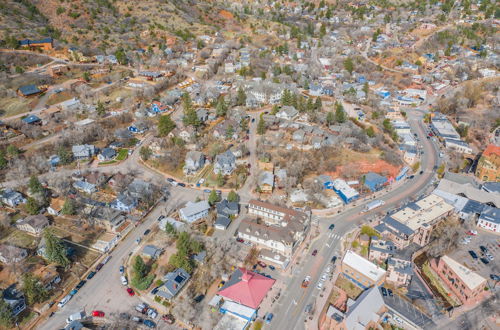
[45,44]
[488,167]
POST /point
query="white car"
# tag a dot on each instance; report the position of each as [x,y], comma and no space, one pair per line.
[152,313]
[64,301]
[319,286]
[124,280]
[201,181]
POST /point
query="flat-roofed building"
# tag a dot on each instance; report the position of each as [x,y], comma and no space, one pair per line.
[467,285]
[361,271]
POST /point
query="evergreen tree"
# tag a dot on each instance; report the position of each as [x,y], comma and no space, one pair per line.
[241,97]
[221,108]
[340,115]
[55,251]
[318,104]
[370,132]
[213,197]
[34,185]
[330,118]
[65,156]
[3,159]
[33,289]
[101,110]
[145,153]
[6,317]
[68,207]
[165,125]
[310,105]
[233,196]
[349,65]
[261,126]
[286,98]
[120,56]
[220,180]
[32,206]
[139,267]
[229,132]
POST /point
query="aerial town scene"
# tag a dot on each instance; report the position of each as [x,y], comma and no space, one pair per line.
[249,164]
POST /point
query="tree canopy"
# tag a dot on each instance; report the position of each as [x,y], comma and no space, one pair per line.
[55,251]
[33,289]
[165,125]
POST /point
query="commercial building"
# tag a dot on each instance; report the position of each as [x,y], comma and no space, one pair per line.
[361,271]
[380,250]
[399,272]
[277,230]
[415,222]
[467,285]
[346,192]
[489,219]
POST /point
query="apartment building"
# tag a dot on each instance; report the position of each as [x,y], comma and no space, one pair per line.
[399,272]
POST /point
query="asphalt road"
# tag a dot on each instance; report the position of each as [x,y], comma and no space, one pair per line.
[105,292]
[289,312]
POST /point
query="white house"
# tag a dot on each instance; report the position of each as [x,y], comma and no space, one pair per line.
[490,219]
[194,211]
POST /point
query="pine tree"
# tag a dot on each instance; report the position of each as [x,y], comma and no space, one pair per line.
[33,289]
[241,97]
[340,115]
[221,108]
[101,110]
[318,104]
[261,126]
[32,206]
[213,197]
[6,316]
[330,117]
[349,65]
[34,185]
[55,251]
[310,105]
[68,207]
[165,125]
[233,196]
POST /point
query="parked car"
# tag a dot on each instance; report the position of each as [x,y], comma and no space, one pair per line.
[137,319]
[389,291]
[262,264]
[170,180]
[138,240]
[384,291]
[98,267]
[495,277]
[161,217]
[122,269]
[142,308]
[149,324]
[169,318]
[483,248]
[207,191]
[182,184]
[124,316]
[315,252]
[472,232]
[90,275]
[152,313]
[240,240]
[331,226]
[124,280]
[484,261]
[199,298]
[334,259]
[64,301]
[130,292]
[80,284]
[73,292]
[98,313]
[105,261]
[473,254]
[269,317]
[271,267]
[147,231]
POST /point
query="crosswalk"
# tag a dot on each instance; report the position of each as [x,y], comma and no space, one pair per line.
[334,236]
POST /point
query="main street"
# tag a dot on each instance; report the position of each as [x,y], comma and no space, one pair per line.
[290,308]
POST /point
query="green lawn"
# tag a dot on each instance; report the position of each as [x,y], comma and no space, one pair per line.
[122,154]
[108,162]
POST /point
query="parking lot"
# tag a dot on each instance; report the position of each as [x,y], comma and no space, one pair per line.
[488,240]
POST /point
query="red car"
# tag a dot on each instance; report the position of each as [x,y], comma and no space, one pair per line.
[261,264]
[98,313]
[315,252]
[169,318]
[239,240]
[130,292]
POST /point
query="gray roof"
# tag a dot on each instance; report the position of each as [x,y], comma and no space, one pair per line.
[493,187]
[227,208]
[222,221]
[461,179]
[151,251]
[173,283]
[195,208]
[470,192]
[83,150]
[108,152]
[225,158]
[398,226]
[266,177]
[490,214]
[365,309]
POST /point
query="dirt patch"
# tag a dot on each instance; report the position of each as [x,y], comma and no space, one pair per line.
[226,15]
[351,290]
[59,97]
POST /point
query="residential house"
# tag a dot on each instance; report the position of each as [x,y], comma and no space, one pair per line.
[12,197]
[124,202]
[415,222]
[228,129]
[488,167]
[33,224]
[106,154]
[106,242]
[48,276]
[399,272]
[287,112]
[85,187]
[278,233]
[246,288]
[32,120]
[466,284]
[225,211]
[225,163]
[173,283]
[28,90]
[15,299]
[360,271]
[10,254]
[193,212]
[44,44]
[195,160]
[56,206]
[266,182]
[374,181]
[178,225]
[83,151]
[151,251]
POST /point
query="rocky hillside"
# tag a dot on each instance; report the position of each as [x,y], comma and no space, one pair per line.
[100,24]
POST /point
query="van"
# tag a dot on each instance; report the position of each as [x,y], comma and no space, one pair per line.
[64,301]
[124,280]
[75,317]
[106,260]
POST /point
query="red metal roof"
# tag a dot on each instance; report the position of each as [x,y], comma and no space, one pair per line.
[247,288]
